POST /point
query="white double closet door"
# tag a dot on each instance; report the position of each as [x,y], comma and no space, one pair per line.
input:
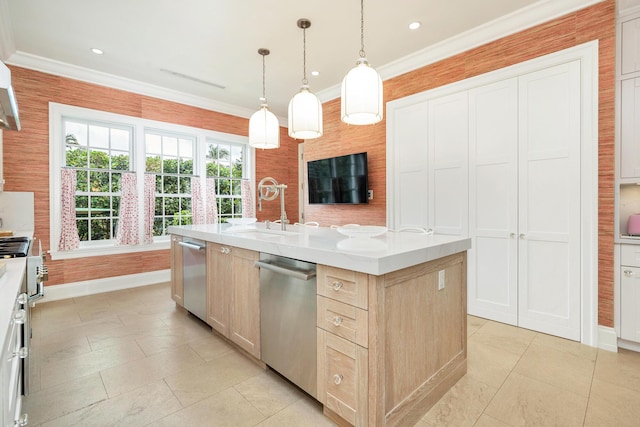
[524,201]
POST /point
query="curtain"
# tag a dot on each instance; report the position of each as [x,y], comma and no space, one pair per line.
[69,238]
[212,203]
[248,208]
[127,232]
[149,207]
[197,203]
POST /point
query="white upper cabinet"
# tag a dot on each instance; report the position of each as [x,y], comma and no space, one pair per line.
[630,128]
[630,43]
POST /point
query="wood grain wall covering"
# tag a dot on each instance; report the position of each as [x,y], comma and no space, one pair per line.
[26,159]
[593,23]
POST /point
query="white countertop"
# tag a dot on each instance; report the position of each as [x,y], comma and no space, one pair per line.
[378,255]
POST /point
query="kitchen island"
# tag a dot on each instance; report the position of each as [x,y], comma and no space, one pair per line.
[391,311]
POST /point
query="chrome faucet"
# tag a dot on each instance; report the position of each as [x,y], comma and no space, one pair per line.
[269,189]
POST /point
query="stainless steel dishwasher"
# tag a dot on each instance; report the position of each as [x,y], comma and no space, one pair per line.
[194,276]
[288,319]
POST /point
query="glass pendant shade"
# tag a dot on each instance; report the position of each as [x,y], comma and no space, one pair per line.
[264,129]
[305,115]
[362,95]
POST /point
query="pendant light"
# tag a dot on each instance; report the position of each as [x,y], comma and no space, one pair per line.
[361,89]
[305,110]
[264,129]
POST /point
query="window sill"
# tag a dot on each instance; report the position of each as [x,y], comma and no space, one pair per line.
[108,249]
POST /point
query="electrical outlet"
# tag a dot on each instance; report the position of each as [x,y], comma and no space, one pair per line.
[440,280]
[370,194]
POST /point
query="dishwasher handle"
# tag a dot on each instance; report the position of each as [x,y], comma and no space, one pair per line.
[193,246]
[298,274]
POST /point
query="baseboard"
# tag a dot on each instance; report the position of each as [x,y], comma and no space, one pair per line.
[607,339]
[91,287]
[629,345]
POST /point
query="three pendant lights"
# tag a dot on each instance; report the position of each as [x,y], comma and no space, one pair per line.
[361,100]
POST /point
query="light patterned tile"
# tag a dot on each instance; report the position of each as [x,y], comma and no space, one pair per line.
[225,409]
[129,376]
[304,412]
[506,337]
[135,408]
[269,393]
[211,347]
[557,367]
[54,402]
[612,405]
[474,323]
[460,406]
[571,347]
[59,371]
[621,368]
[199,382]
[523,401]
[487,421]
[488,364]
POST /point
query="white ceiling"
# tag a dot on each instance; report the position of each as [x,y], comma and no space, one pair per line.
[217,41]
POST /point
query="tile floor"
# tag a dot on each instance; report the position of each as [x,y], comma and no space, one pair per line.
[130,358]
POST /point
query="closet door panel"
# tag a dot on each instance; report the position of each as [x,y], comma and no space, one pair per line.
[448,124]
[549,201]
[409,202]
[493,198]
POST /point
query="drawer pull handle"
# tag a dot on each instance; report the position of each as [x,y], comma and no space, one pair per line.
[628,273]
[225,250]
[337,379]
[337,286]
[337,320]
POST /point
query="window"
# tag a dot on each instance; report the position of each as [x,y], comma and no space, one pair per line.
[99,152]
[101,146]
[171,158]
[225,163]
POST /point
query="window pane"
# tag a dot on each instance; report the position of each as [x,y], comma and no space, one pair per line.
[82,181]
[237,191]
[99,159]
[120,139]
[170,146]
[185,185]
[99,182]
[170,165]
[83,229]
[153,144]
[170,185]
[171,206]
[119,160]
[116,179]
[115,203]
[158,228]
[100,206]
[153,164]
[186,148]
[100,229]
[76,156]
[159,206]
[75,133]
[186,166]
[98,136]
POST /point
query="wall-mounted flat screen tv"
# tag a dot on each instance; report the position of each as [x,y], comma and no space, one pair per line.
[338,180]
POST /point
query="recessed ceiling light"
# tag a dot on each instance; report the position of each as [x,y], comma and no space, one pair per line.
[415,25]
[97,51]
[315,73]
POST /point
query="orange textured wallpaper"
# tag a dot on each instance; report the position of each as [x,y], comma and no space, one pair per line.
[26,159]
[596,22]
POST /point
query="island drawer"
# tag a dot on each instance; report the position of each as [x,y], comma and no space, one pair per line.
[342,377]
[342,285]
[343,320]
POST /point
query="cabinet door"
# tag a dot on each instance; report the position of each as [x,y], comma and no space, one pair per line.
[407,152]
[549,201]
[630,57]
[218,287]
[177,293]
[343,377]
[630,303]
[245,301]
[448,128]
[630,128]
[493,201]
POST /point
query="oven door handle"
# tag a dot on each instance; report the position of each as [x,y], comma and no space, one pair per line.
[287,271]
[39,294]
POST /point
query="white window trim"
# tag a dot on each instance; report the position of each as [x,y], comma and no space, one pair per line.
[56,161]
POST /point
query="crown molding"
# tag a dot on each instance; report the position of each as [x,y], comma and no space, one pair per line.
[522,19]
[49,66]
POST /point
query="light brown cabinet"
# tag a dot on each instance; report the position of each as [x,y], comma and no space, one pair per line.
[390,346]
[233,289]
[177,288]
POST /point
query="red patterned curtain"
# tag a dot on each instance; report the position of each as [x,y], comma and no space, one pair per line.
[197,203]
[212,203]
[149,207]
[248,207]
[69,238]
[127,232]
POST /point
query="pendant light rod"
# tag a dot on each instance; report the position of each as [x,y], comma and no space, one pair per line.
[304,24]
[264,52]
[362,55]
